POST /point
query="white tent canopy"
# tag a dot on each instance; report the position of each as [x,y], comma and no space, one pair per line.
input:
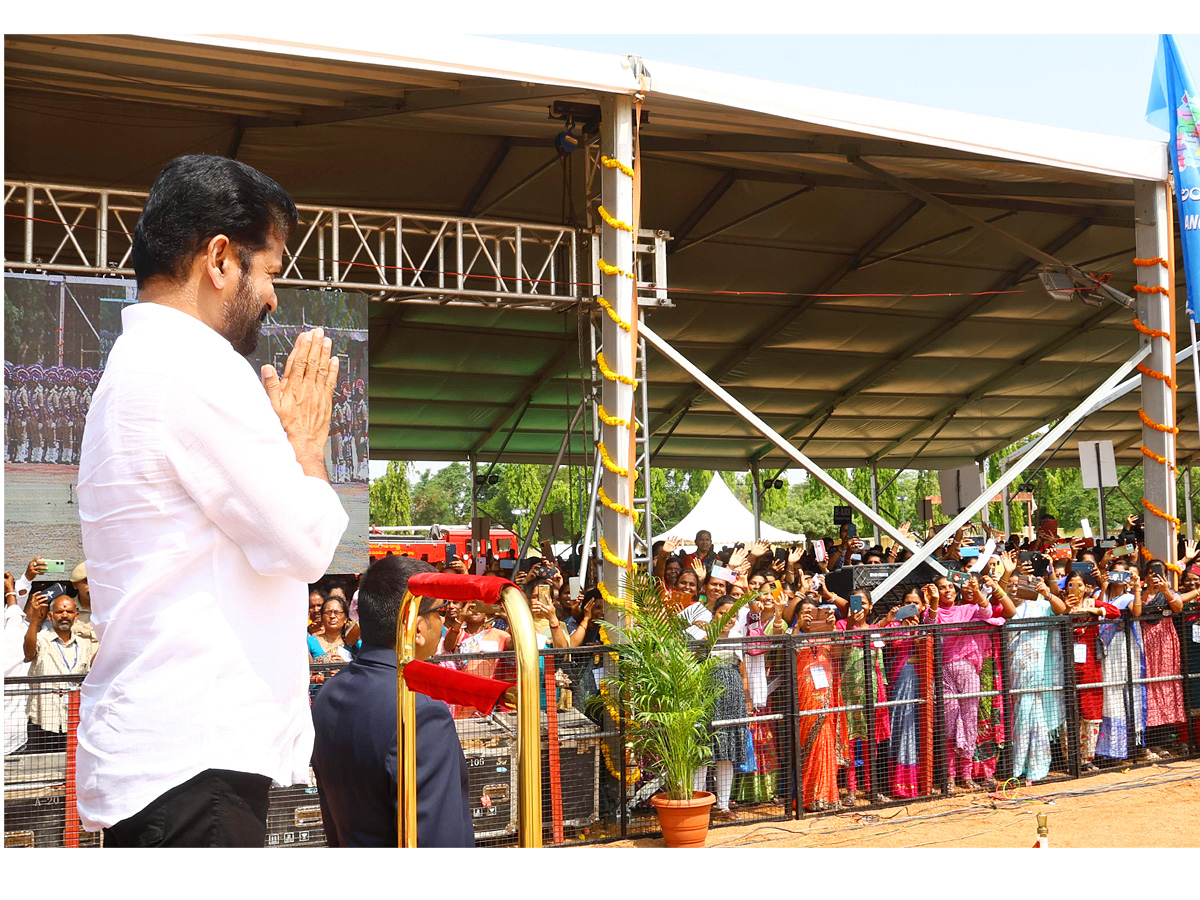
[722,514]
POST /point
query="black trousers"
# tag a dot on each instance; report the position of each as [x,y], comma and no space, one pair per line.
[217,808]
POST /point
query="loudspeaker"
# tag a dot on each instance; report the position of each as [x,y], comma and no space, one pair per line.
[848,579]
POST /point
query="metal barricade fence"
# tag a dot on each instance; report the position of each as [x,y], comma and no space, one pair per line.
[810,723]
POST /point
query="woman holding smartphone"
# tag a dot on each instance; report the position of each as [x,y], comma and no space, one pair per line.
[1113,740]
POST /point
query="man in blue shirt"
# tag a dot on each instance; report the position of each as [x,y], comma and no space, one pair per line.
[355,719]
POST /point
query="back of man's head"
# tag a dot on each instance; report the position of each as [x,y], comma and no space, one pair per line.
[194,199]
[379,596]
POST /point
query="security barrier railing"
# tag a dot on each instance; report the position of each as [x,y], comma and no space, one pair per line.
[807,724]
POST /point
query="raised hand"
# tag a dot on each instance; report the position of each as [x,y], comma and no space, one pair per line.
[698,568]
[738,557]
[759,549]
[1189,548]
[39,607]
[36,567]
[795,555]
[303,397]
[671,545]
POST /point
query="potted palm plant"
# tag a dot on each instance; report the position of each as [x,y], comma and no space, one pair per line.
[665,679]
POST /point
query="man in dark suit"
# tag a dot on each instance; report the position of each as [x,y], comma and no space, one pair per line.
[355,719]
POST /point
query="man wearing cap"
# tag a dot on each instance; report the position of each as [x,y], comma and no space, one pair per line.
[206,511]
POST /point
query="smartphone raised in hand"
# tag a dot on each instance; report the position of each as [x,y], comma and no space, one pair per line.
[905,612]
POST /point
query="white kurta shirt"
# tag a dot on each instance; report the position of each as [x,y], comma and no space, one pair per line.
[200,532]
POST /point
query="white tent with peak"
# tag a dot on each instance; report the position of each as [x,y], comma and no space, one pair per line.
[722,514]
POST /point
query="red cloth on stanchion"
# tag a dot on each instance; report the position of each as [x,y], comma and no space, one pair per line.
[454,686]
[462,588]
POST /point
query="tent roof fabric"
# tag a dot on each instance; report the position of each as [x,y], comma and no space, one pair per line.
[720,513]
[864,324]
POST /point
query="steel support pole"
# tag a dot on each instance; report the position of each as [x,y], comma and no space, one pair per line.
[589,527]
[782,443]
[1036,449]
[875,500]
[562,449]
[616,249]
[756,496]
[1187,501]
[473,467]
[1006,503]
[1152,232]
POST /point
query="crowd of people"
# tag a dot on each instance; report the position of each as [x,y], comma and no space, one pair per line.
[44,411]
[866,684]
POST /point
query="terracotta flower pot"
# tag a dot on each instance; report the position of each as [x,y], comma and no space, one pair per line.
[684,823]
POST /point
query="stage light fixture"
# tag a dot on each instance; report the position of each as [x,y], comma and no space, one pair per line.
[1068,282]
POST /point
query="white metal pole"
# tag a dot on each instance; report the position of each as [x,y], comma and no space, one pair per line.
[617,249]
[474,469]
[1037,449]
[1006,503]
[1187,501]
[875,500]
[779,441]
[1152,238]
[756,496]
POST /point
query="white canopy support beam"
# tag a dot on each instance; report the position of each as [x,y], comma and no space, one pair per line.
[925,554]
[619,346]
[756,496]
[1152,233]
[775,438]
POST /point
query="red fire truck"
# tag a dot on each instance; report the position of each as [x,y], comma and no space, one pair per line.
[430,542]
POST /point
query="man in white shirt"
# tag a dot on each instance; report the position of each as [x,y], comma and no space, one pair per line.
[16,725]
[57,651]
[206,510]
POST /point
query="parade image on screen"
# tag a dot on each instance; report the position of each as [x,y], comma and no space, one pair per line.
[58,333]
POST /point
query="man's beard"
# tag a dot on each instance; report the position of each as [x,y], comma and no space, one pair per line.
[244,316]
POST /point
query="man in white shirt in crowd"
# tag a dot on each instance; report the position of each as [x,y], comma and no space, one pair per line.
[206,510]
[16,725]
[58,651]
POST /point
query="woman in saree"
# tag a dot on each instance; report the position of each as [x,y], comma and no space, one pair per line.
[821,734]
[1120,642]
[1085,611]
[729,742]
[962,661]
[904,655]
[766,617]
[860,675]
[1035,670]
[1160,641]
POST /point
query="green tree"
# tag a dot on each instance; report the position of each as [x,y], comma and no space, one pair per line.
[390,496]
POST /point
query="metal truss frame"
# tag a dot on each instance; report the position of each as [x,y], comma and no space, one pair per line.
[390,255]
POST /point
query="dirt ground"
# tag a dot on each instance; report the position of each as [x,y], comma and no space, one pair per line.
[41,518]
[1152,806]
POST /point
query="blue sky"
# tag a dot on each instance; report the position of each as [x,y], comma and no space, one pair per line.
[1087,82]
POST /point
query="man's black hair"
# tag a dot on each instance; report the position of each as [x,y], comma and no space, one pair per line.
[194,199]
[379,595]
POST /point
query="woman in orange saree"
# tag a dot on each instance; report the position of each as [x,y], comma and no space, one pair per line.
[821,734]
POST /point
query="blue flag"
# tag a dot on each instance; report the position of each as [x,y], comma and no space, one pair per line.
[1174,106]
